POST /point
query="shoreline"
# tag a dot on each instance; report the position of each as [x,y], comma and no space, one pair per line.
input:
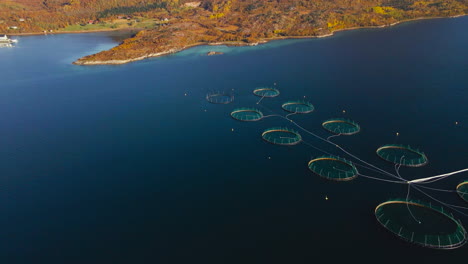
[239,44]
[354,28]
[262,41]
[72,32]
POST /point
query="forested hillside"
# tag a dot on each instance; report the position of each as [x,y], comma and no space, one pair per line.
[40,15]
[175,24]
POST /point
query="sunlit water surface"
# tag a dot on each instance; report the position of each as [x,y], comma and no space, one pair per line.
[130,163]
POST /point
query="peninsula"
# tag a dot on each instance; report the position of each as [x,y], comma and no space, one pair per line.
[169,26]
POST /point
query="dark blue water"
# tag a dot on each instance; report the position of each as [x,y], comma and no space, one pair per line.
[130,164]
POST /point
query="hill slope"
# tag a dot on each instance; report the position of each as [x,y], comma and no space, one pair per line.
[176,24]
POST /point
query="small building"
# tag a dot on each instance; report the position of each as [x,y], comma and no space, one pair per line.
[13,27]
[193,4]
[21,20]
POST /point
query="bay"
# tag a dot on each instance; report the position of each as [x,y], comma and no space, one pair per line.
[130,163]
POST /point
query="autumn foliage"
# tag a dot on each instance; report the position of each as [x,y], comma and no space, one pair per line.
[211,21]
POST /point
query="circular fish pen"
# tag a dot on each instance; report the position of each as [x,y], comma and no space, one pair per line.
[299,107]
[281,136]
[220,97]
[266,92]
[462,190]
[341,126]
[402,155]
[333,168]
[247,114]
[422,224]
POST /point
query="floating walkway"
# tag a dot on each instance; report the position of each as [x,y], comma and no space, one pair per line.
[419,223]
[266,92]
[402,155]
[333,168]
[220,98]
[298,107]
[462,190]
[247,114]
[423,224]
[341,126]
[282,136]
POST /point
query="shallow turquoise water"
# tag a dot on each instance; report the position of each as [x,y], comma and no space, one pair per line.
[130,164]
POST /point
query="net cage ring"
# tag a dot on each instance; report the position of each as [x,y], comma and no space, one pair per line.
[402,155]
[247,114]
[333,168]
[266,92]
[281,136]
[299,107]
[462,190]
[420,223]
[341,126]
[220,97]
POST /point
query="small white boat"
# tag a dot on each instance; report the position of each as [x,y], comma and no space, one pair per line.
[7,42]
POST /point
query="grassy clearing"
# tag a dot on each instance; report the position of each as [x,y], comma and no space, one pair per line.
[115,24]
[11,6]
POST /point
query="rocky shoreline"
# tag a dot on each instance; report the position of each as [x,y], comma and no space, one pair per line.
[117,62]
[82,61]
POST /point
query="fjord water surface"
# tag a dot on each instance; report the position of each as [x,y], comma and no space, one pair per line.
[130,164]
